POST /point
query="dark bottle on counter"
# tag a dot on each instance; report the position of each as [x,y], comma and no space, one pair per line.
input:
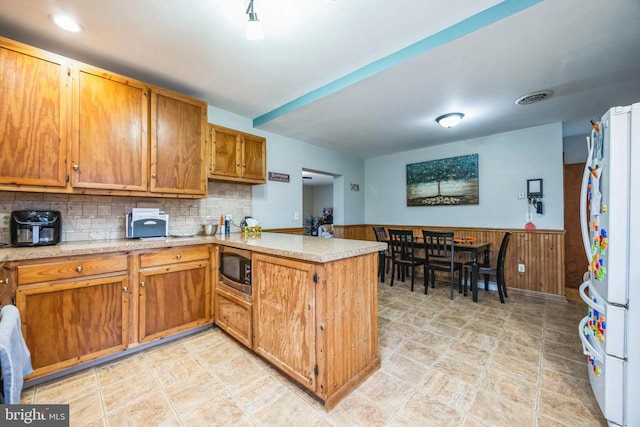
[227,224]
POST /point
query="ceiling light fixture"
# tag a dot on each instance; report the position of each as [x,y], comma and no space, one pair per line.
[449,120]
[66,23]
[254,27]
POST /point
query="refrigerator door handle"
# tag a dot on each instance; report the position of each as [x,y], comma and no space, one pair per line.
[591,303]
[584,223]
[587,348]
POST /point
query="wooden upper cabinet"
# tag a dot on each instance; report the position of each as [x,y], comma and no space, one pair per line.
[69,127]
[110,141]
[224,160]
[34,88]
[237,156]
[254,158]
[178,131]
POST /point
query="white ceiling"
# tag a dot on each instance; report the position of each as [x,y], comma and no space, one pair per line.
[364,77]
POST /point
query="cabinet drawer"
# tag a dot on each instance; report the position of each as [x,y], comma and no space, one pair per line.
[173,255]
[70,269]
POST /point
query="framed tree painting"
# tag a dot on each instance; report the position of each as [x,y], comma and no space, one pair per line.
[451,181]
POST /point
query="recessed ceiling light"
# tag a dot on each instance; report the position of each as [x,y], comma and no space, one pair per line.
[66,23]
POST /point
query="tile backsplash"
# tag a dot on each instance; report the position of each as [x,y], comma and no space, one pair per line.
[86,217]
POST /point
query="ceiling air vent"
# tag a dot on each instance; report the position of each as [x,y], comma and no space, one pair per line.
[531,98]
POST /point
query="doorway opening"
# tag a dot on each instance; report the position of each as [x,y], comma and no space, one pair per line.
[317,203]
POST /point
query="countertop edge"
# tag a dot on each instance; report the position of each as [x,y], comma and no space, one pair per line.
[306,248]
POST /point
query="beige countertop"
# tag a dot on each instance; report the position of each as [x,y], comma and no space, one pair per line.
[307,248]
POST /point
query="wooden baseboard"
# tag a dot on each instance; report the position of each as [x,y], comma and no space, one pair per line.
[542,295]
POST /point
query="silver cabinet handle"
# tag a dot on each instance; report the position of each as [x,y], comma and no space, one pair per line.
[125,289]
[76,167]
[153,175]
[79,269]
[6,281]
[178,256]
[142,284]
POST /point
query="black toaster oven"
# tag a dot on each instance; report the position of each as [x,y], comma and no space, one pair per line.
[35,228]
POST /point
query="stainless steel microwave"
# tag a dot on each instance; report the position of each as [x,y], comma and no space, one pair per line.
[235,268]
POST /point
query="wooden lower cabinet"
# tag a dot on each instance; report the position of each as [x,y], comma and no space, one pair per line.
[318,323]
[175,291]
[234,313]
[285,316]
[79,309]
[68,320]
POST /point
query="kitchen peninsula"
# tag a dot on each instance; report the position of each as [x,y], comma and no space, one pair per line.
[312,312]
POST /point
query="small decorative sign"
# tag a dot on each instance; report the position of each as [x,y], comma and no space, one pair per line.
[280,177]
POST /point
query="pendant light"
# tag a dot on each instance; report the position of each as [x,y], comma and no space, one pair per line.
[254,27]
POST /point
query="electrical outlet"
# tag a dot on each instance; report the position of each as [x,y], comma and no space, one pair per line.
[4,220]
[296,216]
[521,195]
[520,268]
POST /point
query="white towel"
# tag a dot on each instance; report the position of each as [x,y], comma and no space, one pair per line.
[15,359]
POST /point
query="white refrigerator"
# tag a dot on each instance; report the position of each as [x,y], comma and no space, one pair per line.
[610,218]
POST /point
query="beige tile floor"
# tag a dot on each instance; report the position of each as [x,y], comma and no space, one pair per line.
[444,363]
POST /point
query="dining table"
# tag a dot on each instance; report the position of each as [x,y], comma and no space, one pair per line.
[475,249]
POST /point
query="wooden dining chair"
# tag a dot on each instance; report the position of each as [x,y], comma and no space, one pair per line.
[497,270]
[440,256]
[384,257]
[403,253]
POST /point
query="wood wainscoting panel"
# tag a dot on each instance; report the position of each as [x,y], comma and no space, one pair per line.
[541,251]
[293,230]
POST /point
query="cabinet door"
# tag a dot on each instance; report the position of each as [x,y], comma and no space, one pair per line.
[33,117]
[178,144]
[254,159]
[6,286]
[284,316]
[173,299]
[234,314]
[225,161]
[110,140]
[73,322]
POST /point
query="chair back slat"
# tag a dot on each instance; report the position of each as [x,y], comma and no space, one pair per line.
[438,244]
[381,234]
[402,244]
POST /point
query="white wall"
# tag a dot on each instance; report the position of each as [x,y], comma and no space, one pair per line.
[322,198]
[505,160]
[307,202]
[275,203]
[575,149]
